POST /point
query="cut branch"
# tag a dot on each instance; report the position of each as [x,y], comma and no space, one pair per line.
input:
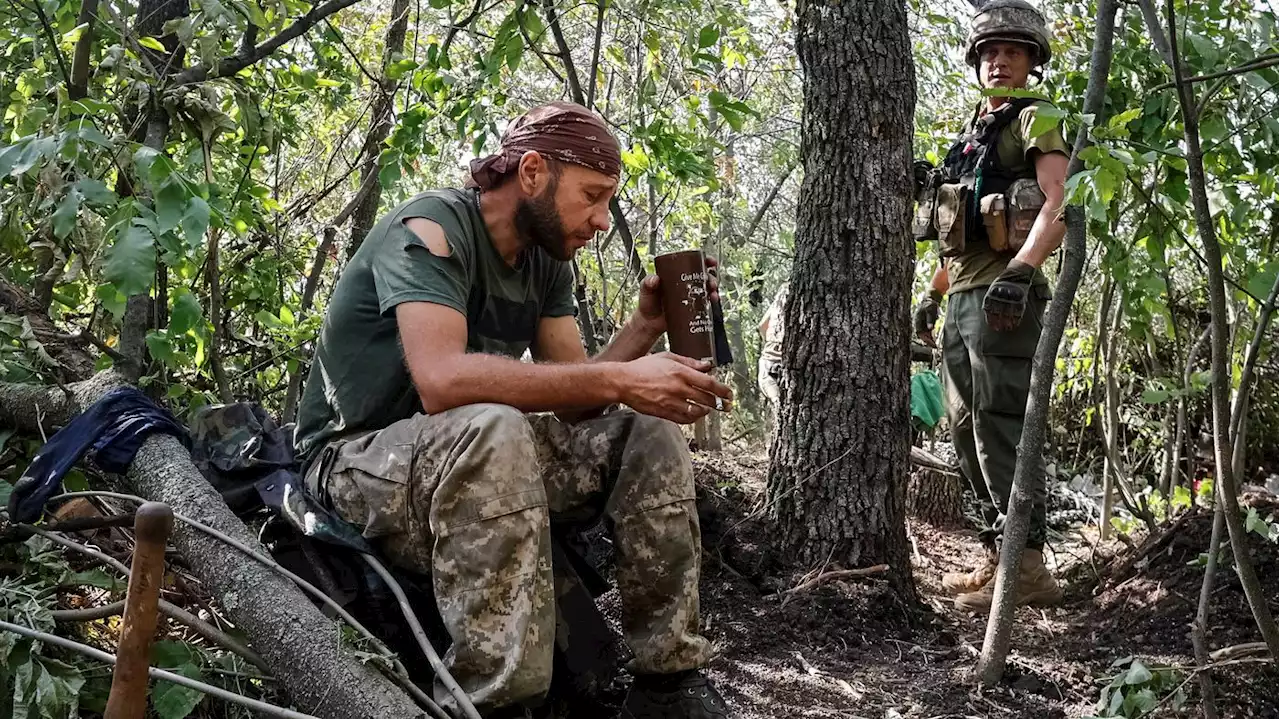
[1258,63]
[298,643]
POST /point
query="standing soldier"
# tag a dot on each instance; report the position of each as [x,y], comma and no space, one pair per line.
[770,367]
[994,208]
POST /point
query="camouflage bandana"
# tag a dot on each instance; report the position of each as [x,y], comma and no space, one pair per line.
[559,130]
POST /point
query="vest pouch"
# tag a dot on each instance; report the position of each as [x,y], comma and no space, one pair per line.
[922,229]
[1024,202]
[992,208]
[951,218]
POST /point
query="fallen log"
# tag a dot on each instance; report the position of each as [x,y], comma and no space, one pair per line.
[302,647]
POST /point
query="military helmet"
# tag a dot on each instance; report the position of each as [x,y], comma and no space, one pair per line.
[1009,21]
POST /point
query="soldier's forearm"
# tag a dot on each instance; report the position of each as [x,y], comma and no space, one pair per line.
[1046,236]
[530,387]
[941,281]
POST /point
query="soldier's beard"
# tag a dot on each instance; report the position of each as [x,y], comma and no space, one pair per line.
[538,223]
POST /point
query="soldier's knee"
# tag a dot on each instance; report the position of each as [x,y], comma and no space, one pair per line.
[666,474]
[663,438]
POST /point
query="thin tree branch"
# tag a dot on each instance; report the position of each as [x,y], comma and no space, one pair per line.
[239,61]
[595,54]
[1259,63]
[259,706]
[570,73]
[53,41]
[1152,18]
[768,201]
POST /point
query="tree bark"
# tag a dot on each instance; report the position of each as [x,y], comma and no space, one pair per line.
[78,84]
[300,644]
[383,118]
[586,316]
[836,476]
[75,360]
[995,646]
[935,497]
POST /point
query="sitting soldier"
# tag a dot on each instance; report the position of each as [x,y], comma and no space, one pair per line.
[421,426]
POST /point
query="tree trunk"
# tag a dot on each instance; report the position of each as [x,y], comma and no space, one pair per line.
[381,122]
[935,498]
[836,479]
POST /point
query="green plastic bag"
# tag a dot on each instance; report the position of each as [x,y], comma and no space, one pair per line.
[926,399]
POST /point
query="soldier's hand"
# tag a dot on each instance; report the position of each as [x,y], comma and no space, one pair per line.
[926,316]
[673,387]
[649,305]
[1006,299]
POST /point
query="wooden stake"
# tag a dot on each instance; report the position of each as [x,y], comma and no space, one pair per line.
[128,699]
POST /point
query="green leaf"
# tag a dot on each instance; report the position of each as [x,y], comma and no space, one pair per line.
[152,44]
[1014,92]
[75,481]
[46,688]
[399,69]
[1047,117]
[170,203]
[131,261]
[68,210]
[186,315]
[172,701]
[161,347]
[1140,702]
[390,173]
[1123,119]
[111,298]
[708,36]
[95,192]
[95,578]
[268,319]
[1137,674]
[286,315]
[1181,498]
[195,221]
[1261,282]
[1155,396]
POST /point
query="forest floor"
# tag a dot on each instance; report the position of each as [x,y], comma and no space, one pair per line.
[855,649]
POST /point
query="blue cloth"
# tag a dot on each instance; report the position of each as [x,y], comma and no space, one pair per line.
[114,427]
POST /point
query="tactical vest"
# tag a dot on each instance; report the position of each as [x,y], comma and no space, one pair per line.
[973,198]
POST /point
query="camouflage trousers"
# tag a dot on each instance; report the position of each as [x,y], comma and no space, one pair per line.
[987,376]
[468,495]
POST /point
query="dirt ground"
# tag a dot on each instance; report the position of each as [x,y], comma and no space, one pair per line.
[851,648]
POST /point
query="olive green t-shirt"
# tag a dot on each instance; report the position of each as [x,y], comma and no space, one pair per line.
[358,379]
[979,265]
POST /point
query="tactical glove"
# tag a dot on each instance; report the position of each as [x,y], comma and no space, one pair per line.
[1006,299]
[926,316]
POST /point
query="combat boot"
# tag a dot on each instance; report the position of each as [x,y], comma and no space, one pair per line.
[1035,586]
[686,695]
[964,582]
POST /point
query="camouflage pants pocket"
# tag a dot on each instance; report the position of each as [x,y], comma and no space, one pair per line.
[367,481]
